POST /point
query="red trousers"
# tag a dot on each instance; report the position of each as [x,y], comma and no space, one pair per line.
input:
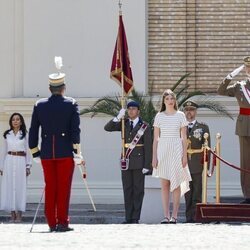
[58,175]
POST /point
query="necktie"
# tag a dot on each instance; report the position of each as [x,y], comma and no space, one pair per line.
[190,125]
[131,125]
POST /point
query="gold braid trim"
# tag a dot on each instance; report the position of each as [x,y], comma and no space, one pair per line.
[34,150]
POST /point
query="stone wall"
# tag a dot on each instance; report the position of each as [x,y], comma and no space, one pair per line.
[206,37]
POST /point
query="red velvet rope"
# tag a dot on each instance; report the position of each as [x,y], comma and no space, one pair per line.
[206,155]
[214,160]
[203,160]
[229,164]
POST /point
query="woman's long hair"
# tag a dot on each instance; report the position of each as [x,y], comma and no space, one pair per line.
[166,93]
[22,127]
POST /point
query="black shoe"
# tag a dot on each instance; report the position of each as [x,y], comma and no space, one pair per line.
[135,222]
[127,222]
[165,220]
[63,228]
[246,201]
[173,220]
[52,229]
[190,221]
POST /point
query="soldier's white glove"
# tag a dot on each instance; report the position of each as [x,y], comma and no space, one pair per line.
[145,170]
[78,159]
[37,160]
[235,72]
[120,115]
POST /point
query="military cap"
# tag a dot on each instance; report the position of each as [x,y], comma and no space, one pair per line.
[57,79]
[247,61]
[133,104]
[190,104]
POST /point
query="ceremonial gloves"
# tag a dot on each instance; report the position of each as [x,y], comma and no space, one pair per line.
[120,115]
[235,73]
[145,170]
[78,159]
[37,160]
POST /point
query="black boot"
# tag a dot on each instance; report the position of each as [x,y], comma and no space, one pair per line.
[134,221]
[127,222]
[246,201]
[63,228]
[52,229]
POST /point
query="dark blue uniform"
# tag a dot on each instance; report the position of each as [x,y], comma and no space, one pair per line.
[58,117]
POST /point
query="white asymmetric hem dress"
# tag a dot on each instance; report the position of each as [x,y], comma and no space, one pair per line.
[169,151]
[14,180]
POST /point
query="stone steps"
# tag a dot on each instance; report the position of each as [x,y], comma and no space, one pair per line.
[105,214]
[82,214]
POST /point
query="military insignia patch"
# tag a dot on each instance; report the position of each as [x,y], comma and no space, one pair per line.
[197,133]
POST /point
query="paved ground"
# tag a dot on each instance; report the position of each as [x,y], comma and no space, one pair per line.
[117,236]
[102,230]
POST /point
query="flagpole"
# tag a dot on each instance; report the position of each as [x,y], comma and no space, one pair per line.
[122,98]
[123,121]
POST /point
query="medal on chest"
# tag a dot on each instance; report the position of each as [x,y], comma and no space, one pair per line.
[197,133]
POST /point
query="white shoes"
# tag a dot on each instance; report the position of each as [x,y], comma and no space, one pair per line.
[173,220]
[165,221]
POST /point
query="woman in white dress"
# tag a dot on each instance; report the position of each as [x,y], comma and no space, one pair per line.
[170,154]
[15,168]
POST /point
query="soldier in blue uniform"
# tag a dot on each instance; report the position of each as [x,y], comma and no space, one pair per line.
[58,117]
[139,160]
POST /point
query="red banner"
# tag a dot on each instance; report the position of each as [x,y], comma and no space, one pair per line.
[120,61]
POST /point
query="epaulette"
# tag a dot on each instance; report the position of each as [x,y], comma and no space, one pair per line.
[70,99]
[143,122]
[41,100]
[203,123]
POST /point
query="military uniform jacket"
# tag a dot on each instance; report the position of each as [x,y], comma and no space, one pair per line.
[197,139]
[58,117]
[235,90]
[141,157]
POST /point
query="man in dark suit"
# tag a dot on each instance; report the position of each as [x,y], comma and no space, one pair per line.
[195,133]
[139,160]
[58,117]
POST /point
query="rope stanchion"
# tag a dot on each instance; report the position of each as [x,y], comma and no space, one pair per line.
[205,150]
[217,163]
[204,173]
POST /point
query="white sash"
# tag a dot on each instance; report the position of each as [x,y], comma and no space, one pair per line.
[246,92]
[125,161]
